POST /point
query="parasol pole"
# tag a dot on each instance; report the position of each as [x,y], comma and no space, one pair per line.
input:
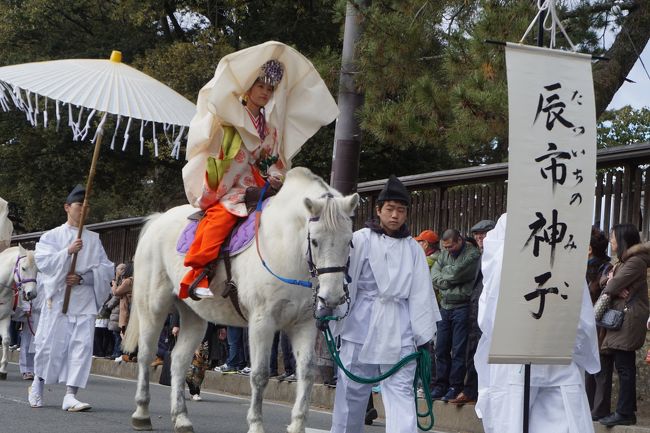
[84,207]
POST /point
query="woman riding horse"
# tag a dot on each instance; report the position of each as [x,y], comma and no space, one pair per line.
[230,171]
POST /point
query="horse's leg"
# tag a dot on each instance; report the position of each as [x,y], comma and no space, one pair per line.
[261,328]
[303,339]
[150,324]
[191,333]
[4,333]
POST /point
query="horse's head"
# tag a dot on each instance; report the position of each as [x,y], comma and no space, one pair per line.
[329,239]
[25,273]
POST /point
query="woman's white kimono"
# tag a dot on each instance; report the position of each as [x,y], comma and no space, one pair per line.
[64,342]
[393,309]
[558,401]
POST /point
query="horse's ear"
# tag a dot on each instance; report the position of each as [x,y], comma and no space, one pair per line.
[315,207]
[350,203]
[21,250]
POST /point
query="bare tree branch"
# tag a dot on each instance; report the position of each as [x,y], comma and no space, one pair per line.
[610,75]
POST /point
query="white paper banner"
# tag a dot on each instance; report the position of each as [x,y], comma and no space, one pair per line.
[551,175]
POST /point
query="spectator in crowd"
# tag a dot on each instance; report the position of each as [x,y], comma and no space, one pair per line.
[236,362]
[28,313]
[113,305]
[64,341]
[558,402]
[196,373]
[171,328]
[598,267]
[627,286]
[453,275]
[123,291]
[103,340]
[217,344]
[392,310]
[470,390]
[164,345]
[429,241]
[282,339]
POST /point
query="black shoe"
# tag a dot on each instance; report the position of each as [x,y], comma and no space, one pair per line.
[597,417]
[438,392]
[452,393]
[618,419]
[371,415]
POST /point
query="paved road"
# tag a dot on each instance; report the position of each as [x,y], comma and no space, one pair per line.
[112,401]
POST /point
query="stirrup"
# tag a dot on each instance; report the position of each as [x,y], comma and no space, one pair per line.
[191,291]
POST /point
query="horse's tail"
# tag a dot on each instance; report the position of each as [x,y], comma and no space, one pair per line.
[150,219]
[130,341]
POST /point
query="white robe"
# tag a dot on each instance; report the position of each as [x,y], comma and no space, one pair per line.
[64,343]
[392,310]
[558,400]
[6,227]
[403,284]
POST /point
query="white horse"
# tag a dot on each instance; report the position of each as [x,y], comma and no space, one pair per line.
[17,278]
[305,219]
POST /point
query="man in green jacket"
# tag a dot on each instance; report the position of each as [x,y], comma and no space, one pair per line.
[453,275]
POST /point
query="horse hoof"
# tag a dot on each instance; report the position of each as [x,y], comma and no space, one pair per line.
[3,376]
[141,424]
[184,429]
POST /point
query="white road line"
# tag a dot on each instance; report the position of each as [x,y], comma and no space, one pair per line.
[13,399]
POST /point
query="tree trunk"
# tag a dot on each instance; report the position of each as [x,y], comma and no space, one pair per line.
[347,136]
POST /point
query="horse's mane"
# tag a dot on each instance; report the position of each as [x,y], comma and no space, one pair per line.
[332,216]
[29,255]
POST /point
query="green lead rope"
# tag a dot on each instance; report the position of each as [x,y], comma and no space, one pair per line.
[422,373]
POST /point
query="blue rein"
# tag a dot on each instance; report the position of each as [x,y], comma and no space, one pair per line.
[258,216]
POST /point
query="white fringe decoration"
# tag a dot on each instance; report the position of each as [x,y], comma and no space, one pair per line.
[141,137]
[58,116]
[117,127]
[45,114]
[80,119]
[155,141]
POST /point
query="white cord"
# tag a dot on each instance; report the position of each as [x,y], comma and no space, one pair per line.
[551,12]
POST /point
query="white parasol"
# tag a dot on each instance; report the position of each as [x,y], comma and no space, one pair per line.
[89,88]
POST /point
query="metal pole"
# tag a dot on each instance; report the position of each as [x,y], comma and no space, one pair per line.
[347,136]
[526,397]
[540,43]
[84,211]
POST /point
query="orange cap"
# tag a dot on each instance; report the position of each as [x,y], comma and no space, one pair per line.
[429,236]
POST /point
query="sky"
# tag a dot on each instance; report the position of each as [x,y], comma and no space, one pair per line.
[635,94]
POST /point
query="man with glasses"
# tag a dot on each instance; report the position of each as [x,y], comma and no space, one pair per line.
[453,275]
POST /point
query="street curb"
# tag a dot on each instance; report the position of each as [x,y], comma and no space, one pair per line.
[448,417]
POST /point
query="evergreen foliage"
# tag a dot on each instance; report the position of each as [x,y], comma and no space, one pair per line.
[435,93]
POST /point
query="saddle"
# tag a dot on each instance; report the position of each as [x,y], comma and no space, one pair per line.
[240,238]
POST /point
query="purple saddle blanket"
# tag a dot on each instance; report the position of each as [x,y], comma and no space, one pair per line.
[242,236]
